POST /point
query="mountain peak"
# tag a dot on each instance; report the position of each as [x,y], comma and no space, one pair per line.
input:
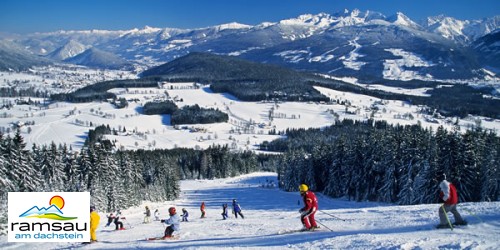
[321,20]
[402,20]
[70,49]
[232,26]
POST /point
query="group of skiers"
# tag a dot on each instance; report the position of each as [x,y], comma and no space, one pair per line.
[174,220]
[448,195]
[116,218]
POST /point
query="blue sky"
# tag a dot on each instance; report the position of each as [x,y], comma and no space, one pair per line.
[24,16]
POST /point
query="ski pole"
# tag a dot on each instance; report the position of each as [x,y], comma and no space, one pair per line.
[324,225]
[128,224]
[473,214]
[336,217]
[446,215]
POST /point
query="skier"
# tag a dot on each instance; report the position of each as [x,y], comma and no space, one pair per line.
[224,211]
[237,209]
[185,215]
[111,217]
[309,209]
[94,222]
[173,222]
[157,215]
[147,218]
[118,223]
[449,196]
[202,209]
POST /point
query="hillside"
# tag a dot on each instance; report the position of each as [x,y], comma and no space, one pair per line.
[96,58]
[488,48]
[249,81]
[270,213]
[14,58]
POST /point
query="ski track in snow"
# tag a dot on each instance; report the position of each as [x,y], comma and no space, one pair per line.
[269,211]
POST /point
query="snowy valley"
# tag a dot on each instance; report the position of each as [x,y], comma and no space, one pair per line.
[248,125]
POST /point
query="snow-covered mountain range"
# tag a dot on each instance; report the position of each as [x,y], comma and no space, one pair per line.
[365,44]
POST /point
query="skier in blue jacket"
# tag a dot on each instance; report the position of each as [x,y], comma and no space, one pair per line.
[237,209]
[173,222]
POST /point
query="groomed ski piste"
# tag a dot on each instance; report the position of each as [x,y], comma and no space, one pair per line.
[271,216]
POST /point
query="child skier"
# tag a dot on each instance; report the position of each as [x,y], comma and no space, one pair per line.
[185,215]
[111,217]
[173,222]
[118,223]
[202,209]
[224,211]
[147,218]
[157,215]
[237,209]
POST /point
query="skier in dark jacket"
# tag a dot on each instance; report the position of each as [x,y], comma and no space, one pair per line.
[147,217]
[224,211]
[111,217]
[237,209]
[185,215]
[449,196]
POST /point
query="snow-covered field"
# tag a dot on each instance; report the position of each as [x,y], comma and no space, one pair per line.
[249,122]
[270,212]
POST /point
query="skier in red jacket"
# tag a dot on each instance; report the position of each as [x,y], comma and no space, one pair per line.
[309,209]
[449,196]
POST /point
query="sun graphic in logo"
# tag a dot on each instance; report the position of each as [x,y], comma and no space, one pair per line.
[57,200]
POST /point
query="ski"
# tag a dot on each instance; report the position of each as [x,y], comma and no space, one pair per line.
[161,238]
[448,227]
[290,231]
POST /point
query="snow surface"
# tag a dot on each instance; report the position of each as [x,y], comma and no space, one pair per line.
[351,61]
[399,69]
[269,212]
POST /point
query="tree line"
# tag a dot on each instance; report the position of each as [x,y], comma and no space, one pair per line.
[375,161]
[186,115]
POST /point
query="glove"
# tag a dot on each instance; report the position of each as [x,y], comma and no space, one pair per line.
[162,221]
[301,210]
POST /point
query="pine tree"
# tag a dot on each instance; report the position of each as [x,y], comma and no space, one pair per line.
[19,166]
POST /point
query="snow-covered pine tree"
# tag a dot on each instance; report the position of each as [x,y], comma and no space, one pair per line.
[70,168]
[20,166]
[48,161]
[335,184]
[490,171]
[130,172]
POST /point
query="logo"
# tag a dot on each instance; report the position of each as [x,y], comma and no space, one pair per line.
[39,217]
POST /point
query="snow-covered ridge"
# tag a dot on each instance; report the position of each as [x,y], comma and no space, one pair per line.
[448,27]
